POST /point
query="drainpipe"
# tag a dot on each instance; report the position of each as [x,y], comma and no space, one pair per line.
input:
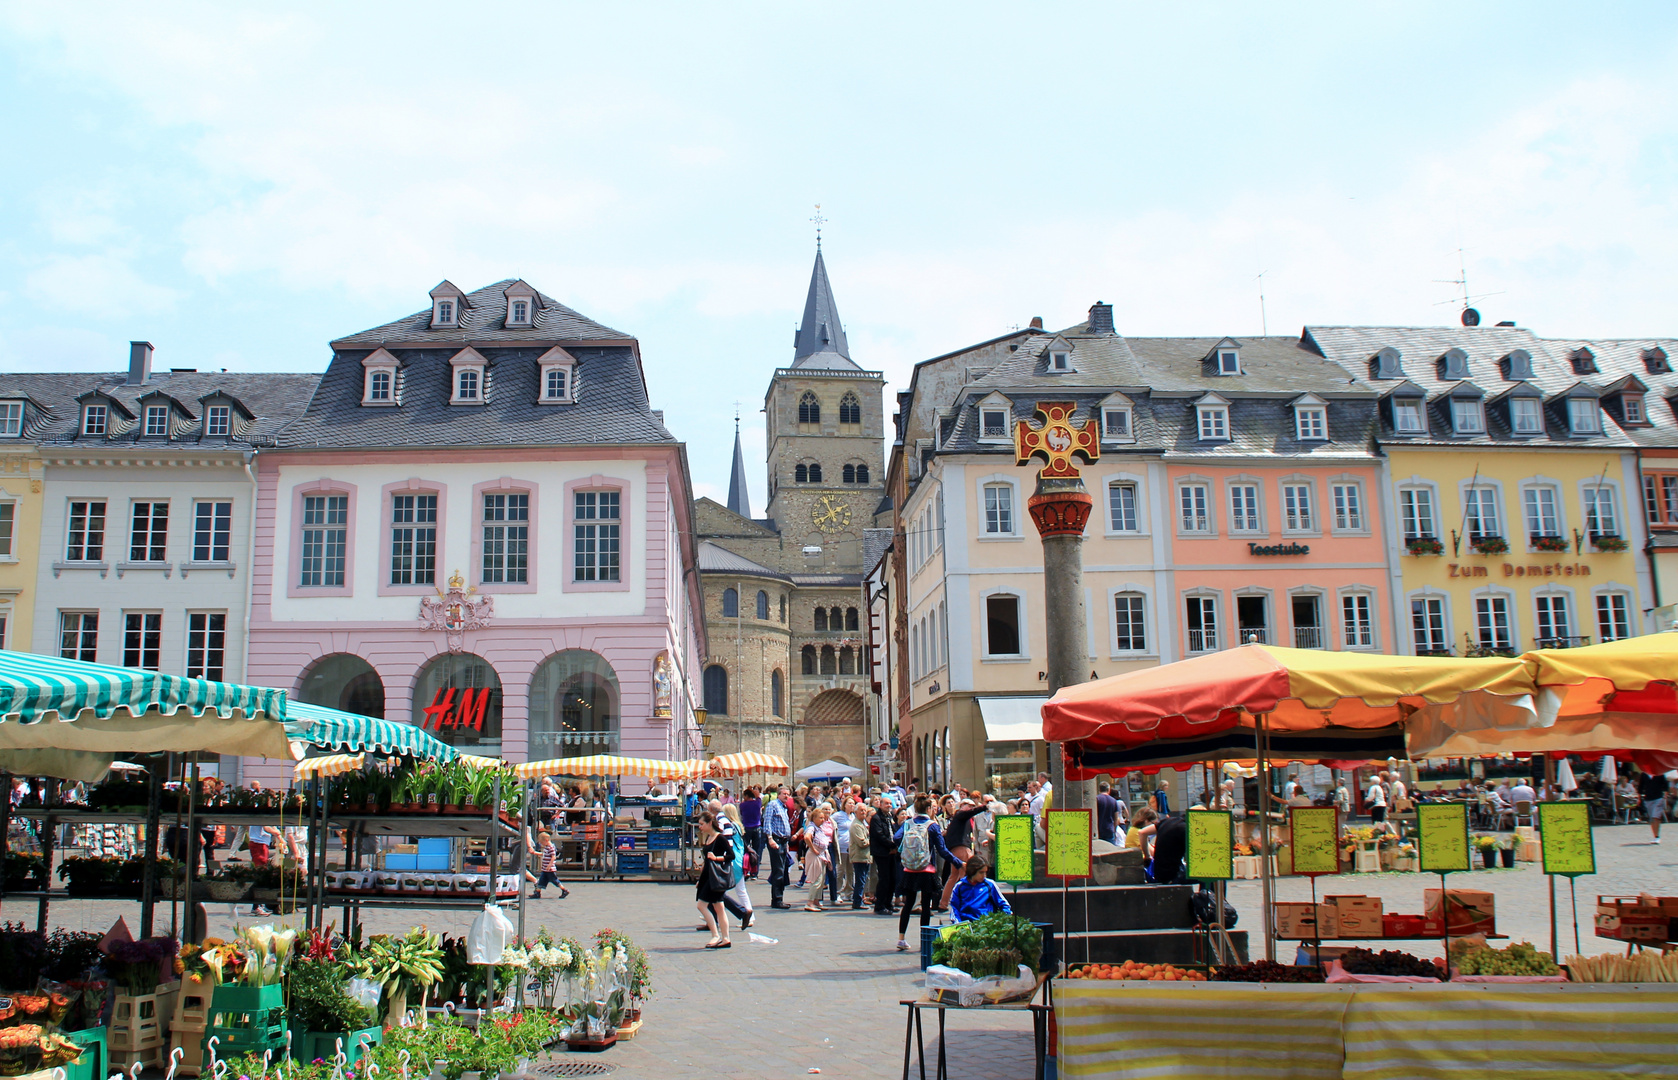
[1648,537]
[250,553]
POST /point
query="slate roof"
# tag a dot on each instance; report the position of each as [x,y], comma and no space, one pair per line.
[1487,348]
[53,415]
[820,342]
[1619,358]
[739,497]
[874,544]
[483,318]
[719,560]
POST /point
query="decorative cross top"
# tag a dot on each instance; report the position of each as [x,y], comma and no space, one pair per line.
[1057,440]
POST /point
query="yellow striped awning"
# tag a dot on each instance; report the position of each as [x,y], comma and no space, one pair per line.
[328,765]
[608,765]
[747,761]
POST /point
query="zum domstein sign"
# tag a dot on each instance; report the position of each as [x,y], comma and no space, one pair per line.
[1510,569]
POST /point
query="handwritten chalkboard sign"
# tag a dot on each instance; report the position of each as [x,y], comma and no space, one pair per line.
[1068,844]
[1444,836]
[1013,849]
[1316,840]
[1211,839]
[1564,833]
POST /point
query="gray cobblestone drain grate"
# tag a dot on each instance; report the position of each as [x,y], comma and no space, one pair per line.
[574,1068]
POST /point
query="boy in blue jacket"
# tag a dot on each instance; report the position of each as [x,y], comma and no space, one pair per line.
[975,896]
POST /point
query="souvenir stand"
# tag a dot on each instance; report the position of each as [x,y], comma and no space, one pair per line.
[1319,705]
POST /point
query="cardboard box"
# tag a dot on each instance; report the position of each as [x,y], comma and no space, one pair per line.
[1358,916]
[1296,921]
[1529,851]
[1328,921]
[1466,911]
[1628,918]
[1402,926]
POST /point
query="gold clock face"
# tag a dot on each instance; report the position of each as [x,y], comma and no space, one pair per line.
[830,515]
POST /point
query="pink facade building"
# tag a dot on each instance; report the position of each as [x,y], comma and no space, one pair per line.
[479,525]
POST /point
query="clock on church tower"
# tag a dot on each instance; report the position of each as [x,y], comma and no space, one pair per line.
[830,514]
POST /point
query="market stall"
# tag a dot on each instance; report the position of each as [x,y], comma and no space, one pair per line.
[618,844]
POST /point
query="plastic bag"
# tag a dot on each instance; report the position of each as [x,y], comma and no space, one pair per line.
[366,991]
[487,939]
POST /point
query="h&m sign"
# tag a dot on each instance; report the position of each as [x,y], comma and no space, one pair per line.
[457,708]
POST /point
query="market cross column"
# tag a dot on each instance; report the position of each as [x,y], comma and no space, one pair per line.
[1060,507]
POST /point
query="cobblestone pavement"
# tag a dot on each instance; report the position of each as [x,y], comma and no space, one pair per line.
[825,995]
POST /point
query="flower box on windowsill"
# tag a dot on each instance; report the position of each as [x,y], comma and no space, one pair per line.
[1424,545]
[1608,543]
[1549,543]
[1489,545]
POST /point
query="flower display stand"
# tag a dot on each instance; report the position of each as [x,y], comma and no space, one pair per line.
[247,1019]
[96,1053]
[1368,859]
[136,1031]
[191,1019]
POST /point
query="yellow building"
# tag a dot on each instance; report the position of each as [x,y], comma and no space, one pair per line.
[1513,484]
[20,527]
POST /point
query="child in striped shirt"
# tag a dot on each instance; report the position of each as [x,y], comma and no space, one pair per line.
[550,866]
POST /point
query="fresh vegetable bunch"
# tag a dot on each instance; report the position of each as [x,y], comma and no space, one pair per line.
[1266,971]
[1388,962]
[997,932]
[1647,966]
[1518,959]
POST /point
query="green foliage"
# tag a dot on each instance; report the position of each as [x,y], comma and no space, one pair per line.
[320,1000]
[995,933]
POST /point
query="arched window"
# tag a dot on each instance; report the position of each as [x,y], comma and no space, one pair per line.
[847,661]
[862,474]
[573,706]
[836,619]
[730,603]
[344,681]
[775,693]
[762,605]
[821,618]
[457,697]
[801,474]
[849,474]
[850,618]
[830,661]
[850,409]
[809,656]
[809,409]
[716,690]
[815,474]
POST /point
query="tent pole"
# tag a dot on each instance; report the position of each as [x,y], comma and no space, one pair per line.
[49,792]
[6,829]
[1262,742]
[1549,793]
[193,847]
[154,813]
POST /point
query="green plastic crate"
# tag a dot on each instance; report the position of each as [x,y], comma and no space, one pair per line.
[96,1055]
[306,1046]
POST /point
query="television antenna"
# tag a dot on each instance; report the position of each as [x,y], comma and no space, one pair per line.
[1470,316]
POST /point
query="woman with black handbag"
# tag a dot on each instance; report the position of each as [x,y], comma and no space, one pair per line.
[715,878]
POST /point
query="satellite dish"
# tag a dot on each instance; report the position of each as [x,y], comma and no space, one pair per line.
[1470,317]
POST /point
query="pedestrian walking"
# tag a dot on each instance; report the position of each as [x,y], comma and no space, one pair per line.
[1651,788]
[818,838]
[777,830]
[751,820]
[737,900]
[714,879]
[882,848]
[857,858]
[547,855]
[919,843]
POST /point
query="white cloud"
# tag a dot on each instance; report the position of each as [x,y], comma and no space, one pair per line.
[106,281]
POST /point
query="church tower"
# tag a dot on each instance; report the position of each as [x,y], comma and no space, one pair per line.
[825,427]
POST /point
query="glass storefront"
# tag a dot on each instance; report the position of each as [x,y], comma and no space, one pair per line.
[1008,765]
[344,681]
[574,706]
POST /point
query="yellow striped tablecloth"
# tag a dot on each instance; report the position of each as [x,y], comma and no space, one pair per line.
[1137,1030]
[1483,1031]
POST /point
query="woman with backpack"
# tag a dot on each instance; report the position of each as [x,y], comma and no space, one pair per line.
[918,840]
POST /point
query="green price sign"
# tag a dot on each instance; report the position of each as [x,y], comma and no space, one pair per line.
[1211,840]
[1564,834]
[1444,836]
[1013,849]
[1316,840]
[1067,848]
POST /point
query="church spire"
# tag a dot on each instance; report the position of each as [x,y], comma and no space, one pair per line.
[820,342]
[738,499]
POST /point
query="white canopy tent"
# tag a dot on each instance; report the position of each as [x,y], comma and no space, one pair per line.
[828,770]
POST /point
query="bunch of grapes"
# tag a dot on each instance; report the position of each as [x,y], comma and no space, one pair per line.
[1518,959]
[1387,962]
[1268,972]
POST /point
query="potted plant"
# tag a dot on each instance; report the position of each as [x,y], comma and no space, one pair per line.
[639,972]
[403,966]
[87,876]
[1488,545]
[1487,846]
[25,872]
[1424,545]
[403,789]
[1506,849]
[1549,543]
[1608,542]
[321,1011]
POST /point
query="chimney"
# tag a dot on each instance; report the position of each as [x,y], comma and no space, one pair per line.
[1037,322]
[139,362]
[1101,318]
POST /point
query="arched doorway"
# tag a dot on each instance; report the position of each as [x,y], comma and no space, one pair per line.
[457,698]
[573,706]
[343,681]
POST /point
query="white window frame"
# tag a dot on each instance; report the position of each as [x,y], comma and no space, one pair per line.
[1548,597]
[1611,593]
[367,386]
[1245,520]
[445,312]
[1468,416]
[1015,504]
[1349,631]
[1212,422]
[1211,518]
[208,527]
[198,641]
[1132,485]
[1217,606]
[1325,626]
[1531,491]
[1403,404]
[1428,597]
[8,530]
[1023,630]
[1130,592]
[1107,432]
[160,413]
[1477,513]
[518,317]
[985,413]
[1311,423]
[1537,415]
[1633,405]
[218,421]
[1584,416]
[96,419]
[464,395]
[1413,488]
[1511,615]
[565,372]
[11,419]
[1060,361]
[1593,495]
[1358,523]
[1308,524]
[1229,361]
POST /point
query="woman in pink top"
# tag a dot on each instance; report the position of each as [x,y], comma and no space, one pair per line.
[818,840]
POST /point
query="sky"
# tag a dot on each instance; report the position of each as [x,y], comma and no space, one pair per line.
[241,184]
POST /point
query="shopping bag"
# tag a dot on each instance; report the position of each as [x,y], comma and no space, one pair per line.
[487,939]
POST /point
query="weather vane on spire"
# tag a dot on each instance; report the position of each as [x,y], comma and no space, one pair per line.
[819,220]
[736,416]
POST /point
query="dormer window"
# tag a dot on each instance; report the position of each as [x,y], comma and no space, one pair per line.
[1388,364]
[1407,416]
[1060,361]
[557,384]
[379,379]
[157,421]
[466,384]
[1453,366]
[994,423]
[444,313]
[11,419]
[1467,416]
[1517,366]
[1655,361]
[1584,361]
[1214,421]
[1526,416]
[1115,423]
[94,419]
[1229,362]
[1633,406]
[518,313]
[470,377]
[1583,416]
[446,304]
[1310,418]
[558,373]
[218,421]
[378,386]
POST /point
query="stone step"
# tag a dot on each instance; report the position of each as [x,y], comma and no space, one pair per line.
[1145,947]
[1122,866]
[1111,907]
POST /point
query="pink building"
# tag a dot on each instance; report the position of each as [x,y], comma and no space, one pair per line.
[480,525]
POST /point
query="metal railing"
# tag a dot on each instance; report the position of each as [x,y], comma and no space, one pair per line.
[1254,635]
[1564,642]
[1309,637]
[1203,641]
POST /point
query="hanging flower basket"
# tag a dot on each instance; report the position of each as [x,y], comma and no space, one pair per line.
[1549,543]
[1608,542]
[1489,545]
[1424,545]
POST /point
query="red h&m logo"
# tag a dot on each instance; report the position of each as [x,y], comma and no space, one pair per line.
[463,708]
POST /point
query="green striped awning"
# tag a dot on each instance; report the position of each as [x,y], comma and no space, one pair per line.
[331,729]
[32,687]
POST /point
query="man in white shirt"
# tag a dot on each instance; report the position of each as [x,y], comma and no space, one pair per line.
[1522,792]
[1398,789]
[1376,798]
[1290,789]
